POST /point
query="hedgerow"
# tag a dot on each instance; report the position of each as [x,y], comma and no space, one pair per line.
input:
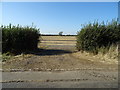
[19,39]
[94,36]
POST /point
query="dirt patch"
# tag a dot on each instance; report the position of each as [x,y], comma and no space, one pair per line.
[57,57]
[68,61]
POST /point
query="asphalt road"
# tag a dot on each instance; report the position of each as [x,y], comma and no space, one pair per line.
[61,79]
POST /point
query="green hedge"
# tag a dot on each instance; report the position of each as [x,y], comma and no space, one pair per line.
[19,39]
[93,36]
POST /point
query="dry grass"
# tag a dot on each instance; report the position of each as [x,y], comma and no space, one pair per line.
[58,42]
[47,38]
[111,57]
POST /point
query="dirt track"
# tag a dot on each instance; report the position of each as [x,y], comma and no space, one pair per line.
[61,65]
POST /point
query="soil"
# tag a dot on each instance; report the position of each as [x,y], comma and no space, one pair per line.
[58,65]
[56,56]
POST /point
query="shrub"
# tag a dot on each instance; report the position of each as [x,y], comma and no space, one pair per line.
[18,38]
[94,36]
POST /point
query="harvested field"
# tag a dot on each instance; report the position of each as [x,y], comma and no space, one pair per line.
[59,38]
[58,42]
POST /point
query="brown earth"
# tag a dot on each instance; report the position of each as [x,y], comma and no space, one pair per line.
[57,64]
[57,53]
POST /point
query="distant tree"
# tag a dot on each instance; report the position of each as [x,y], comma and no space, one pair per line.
[60,33]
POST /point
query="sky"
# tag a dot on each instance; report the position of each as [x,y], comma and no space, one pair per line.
[53,17]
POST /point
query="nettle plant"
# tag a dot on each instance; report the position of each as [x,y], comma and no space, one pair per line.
[18,38]
[94,36]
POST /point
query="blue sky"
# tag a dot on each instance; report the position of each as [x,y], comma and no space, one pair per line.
[53,17]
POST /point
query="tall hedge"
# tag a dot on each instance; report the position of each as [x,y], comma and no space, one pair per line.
[94,36]
[19,39]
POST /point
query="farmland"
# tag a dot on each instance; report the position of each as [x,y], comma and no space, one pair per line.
[59,42]
[56,52]
[59,64]
[60,45]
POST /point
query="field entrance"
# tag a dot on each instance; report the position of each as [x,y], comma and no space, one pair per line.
[55,53]
[56,64]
